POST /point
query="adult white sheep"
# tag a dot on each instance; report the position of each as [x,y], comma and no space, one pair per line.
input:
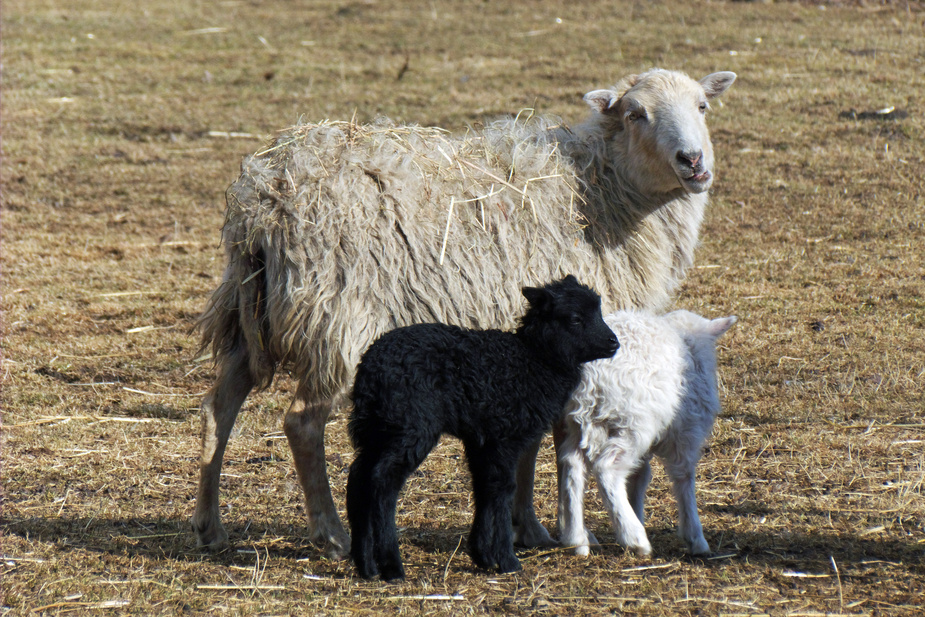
[657,396]
[337,233]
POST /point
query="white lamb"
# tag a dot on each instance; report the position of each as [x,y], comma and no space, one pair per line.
[657,395]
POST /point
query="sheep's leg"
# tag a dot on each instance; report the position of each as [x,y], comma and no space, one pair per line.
[629,531]
[528,531]
[571,468]
[219,410]
[689,526]
[359,513]
[636,487]
[304,428]
[393,464]
[493,483]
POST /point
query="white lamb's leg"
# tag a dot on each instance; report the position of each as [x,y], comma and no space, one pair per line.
[629,531]
[636,488]
[689,527]
[528,531]
[571,467]
[304,428]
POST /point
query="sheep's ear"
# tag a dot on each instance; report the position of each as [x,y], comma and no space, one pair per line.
[715,84]
[536,296]
[602,101]
[718,327]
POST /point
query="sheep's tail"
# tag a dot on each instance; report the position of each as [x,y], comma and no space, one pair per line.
[235,319]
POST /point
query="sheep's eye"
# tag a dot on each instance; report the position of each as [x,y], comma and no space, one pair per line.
[635,116]
[704,107]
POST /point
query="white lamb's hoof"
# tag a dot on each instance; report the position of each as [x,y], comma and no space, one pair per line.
[640,551]
[582,547]
[698,547]
[640,548]
[581,550]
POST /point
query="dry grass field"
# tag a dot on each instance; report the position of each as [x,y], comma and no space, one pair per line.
[122,125]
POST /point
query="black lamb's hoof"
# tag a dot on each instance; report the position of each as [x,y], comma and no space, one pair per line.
[366,569]
[392,573]
[509,563]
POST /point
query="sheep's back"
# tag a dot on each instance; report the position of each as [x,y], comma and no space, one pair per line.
[336,233]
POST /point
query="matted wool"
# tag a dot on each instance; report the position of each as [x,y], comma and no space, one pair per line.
[338,232]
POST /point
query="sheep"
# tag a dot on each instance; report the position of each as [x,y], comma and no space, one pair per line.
[336,233]
[496,391]
[658,396]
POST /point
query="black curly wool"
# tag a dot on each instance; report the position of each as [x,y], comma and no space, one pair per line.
[496,391]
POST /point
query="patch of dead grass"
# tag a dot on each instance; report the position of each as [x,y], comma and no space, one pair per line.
[113,176]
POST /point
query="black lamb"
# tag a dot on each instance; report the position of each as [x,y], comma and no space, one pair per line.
[496,391]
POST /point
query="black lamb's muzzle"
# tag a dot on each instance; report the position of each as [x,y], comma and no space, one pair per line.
[606,347]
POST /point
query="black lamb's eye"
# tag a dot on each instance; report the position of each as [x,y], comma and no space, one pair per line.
[574,320]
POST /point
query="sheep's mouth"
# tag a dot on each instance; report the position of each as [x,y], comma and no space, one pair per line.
[698,182]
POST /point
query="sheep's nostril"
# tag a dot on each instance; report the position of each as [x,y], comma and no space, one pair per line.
[692,159]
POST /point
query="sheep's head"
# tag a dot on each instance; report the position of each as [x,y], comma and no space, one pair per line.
[564,324]
[658,121]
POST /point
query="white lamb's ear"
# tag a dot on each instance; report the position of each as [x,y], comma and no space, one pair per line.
[718,327]
[602,101]
[715,84]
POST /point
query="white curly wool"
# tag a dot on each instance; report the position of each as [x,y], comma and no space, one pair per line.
[656,396]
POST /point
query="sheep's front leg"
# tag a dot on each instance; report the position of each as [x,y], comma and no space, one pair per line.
[304,428]
[571,472]
[689,527]
[626,525]
[219,410]
[528,531]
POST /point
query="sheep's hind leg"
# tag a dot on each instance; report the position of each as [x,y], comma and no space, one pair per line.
[689,526]
[359,513]
[304,428]
[219,410]
[528,531]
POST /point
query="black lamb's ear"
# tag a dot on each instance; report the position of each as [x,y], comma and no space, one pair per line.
[536,296]
[571,280]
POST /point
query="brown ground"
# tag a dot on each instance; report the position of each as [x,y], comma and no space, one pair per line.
[122,127]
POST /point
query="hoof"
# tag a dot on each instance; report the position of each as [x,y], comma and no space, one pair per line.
[366,570]
[699,548]
[392,573]
[640,551]
[337,549]
[211,536]
[582,550]
[533,536]
[509,564]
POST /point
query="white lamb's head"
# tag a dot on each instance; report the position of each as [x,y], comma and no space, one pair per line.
[657,121]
